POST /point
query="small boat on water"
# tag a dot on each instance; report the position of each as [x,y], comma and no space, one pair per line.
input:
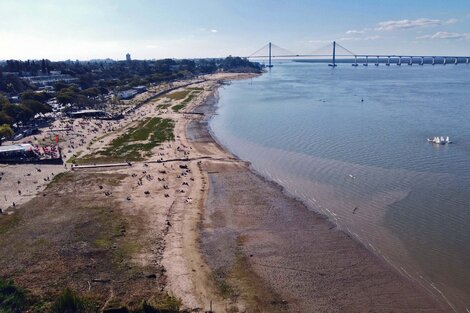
[440,140]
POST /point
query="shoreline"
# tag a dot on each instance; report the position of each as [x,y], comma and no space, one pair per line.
[200,223]
[387,268]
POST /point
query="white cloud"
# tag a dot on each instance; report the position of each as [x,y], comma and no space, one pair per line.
[355,32]
[446,35]
[366,38]
[407,24]
[213,30]
[451,21]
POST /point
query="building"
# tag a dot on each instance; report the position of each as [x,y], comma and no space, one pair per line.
[48,80]
[131,93]
[27,153]
[88,113]
[128,57]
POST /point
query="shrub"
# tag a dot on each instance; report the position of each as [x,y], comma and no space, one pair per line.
[69,302]
[12,298]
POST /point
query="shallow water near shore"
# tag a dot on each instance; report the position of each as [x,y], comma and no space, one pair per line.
[366,164]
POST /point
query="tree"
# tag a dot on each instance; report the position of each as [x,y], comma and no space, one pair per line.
[6,131]
[90,92]
[31,95]
[5,118]
[60,85]
[43,66]
[36,106]
[3,101]
[19,113]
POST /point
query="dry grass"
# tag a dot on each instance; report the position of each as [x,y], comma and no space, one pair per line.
[75,237]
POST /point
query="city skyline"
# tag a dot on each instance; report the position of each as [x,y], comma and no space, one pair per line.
[187,29]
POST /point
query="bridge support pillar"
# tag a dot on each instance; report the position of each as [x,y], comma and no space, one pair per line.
[270,56]
[333,64]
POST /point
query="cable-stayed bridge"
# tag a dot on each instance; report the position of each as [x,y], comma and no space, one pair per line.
[339,54]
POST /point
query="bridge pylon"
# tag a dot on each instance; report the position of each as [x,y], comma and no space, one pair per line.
[333,63]
[270,65]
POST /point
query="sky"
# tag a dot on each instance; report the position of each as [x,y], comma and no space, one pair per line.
[155,29]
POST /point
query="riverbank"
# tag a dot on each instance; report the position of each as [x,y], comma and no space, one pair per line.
[186,219]
[268,252]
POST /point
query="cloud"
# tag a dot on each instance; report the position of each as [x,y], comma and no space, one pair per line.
[451,21]
[407,24]
[213,30]
[446,35]
[366,38]
[355,32]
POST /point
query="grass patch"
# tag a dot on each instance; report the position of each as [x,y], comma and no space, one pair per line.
[167,304]
[69,301]
[164,105]
[59,178]
[178,107]
[74,157]
[7,222]
[12,298]
[136,144]
[189,98]
[71,236]
[224,287]
[178,95]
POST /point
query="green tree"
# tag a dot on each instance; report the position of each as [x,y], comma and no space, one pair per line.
[60,85]
[90,92]
[36,106]
[5,118]
[19,113]
[37,96]
[3,101]
[6,131]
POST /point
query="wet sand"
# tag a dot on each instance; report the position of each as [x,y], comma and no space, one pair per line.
[269,253]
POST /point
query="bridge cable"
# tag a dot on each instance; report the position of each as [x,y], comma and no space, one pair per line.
[263,47]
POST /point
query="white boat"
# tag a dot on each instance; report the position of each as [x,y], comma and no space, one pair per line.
[440,140]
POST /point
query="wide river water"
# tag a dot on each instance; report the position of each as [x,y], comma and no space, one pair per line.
[367,164]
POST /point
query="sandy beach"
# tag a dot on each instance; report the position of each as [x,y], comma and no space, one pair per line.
[209,230]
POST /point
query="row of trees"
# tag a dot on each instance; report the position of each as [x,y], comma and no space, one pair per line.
[30,105]
[110,74]
[95,79]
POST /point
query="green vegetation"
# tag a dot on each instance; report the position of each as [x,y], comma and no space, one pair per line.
[168,304]
[193,93]
[137,143]
[164,105]
[23,112]
[15,299]
[69,301]
[12,298]
[178,95]
[5,131]
[178,107]
[237,64]
[94,79]
[67,238]
[74,157]
[7,222]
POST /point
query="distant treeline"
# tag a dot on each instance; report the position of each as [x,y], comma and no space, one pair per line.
[95,79]
[111,74]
